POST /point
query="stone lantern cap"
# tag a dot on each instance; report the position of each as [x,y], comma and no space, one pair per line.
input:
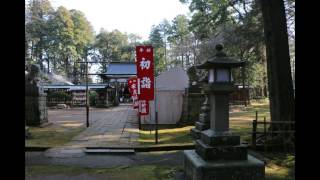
[220,60]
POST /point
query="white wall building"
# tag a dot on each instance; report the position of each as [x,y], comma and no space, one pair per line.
[170,87]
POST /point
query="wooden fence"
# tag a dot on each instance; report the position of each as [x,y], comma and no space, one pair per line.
[240,97]
[273,135]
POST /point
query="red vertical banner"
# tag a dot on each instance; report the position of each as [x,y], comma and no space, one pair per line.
[145,72]
[130,81]
[143,107]
[132,84]
[135,101]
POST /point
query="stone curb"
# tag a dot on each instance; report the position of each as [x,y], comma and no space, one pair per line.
[35,149]
[137,148]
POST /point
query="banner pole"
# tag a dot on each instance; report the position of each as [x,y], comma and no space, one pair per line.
[139,120]
[87,94]
[155,103]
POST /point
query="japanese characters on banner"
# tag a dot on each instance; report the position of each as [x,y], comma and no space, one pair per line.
[145,72]
[132,84]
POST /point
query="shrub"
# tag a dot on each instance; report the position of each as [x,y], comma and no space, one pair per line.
[92,98]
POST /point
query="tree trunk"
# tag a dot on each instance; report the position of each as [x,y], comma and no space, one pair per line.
[182,65]
[264,78]
[165,54]
[67,67]
[48,61]
[32,51]
[187,61]
[74,74]
[278,61]
[26,48]
[39,48]
[40,61]
[181,50]
[54,64]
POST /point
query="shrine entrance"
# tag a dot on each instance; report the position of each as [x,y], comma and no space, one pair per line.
[117,75]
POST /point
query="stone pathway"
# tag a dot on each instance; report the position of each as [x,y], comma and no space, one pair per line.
[113,127]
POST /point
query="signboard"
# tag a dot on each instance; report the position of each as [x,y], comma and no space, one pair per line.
[79,98]
[132,84]
[145,72]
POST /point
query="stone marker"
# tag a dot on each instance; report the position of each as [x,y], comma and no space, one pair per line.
[110,151]
[204,119]
[35,99]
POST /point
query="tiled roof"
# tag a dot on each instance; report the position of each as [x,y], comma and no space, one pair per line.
[75,87]
[121,69]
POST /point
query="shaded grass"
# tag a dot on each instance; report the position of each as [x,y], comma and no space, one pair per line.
[280,165]
[274,172]
[147,172]
[51,136]
[240,123]
[249,112]
[143,172]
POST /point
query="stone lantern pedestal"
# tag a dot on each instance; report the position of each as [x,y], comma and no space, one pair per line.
[219,153]
[197,168]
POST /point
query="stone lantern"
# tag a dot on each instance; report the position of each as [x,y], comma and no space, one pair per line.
[218,153]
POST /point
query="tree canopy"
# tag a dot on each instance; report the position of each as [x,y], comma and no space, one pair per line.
[258,31]
[57,38]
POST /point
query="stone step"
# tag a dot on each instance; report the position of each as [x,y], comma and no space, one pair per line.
[195,133]
[64,152]
[109,151]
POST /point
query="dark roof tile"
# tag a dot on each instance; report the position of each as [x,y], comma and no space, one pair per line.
[121,69]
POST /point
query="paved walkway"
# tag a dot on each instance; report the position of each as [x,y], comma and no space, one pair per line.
[116,126]
[112,127]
